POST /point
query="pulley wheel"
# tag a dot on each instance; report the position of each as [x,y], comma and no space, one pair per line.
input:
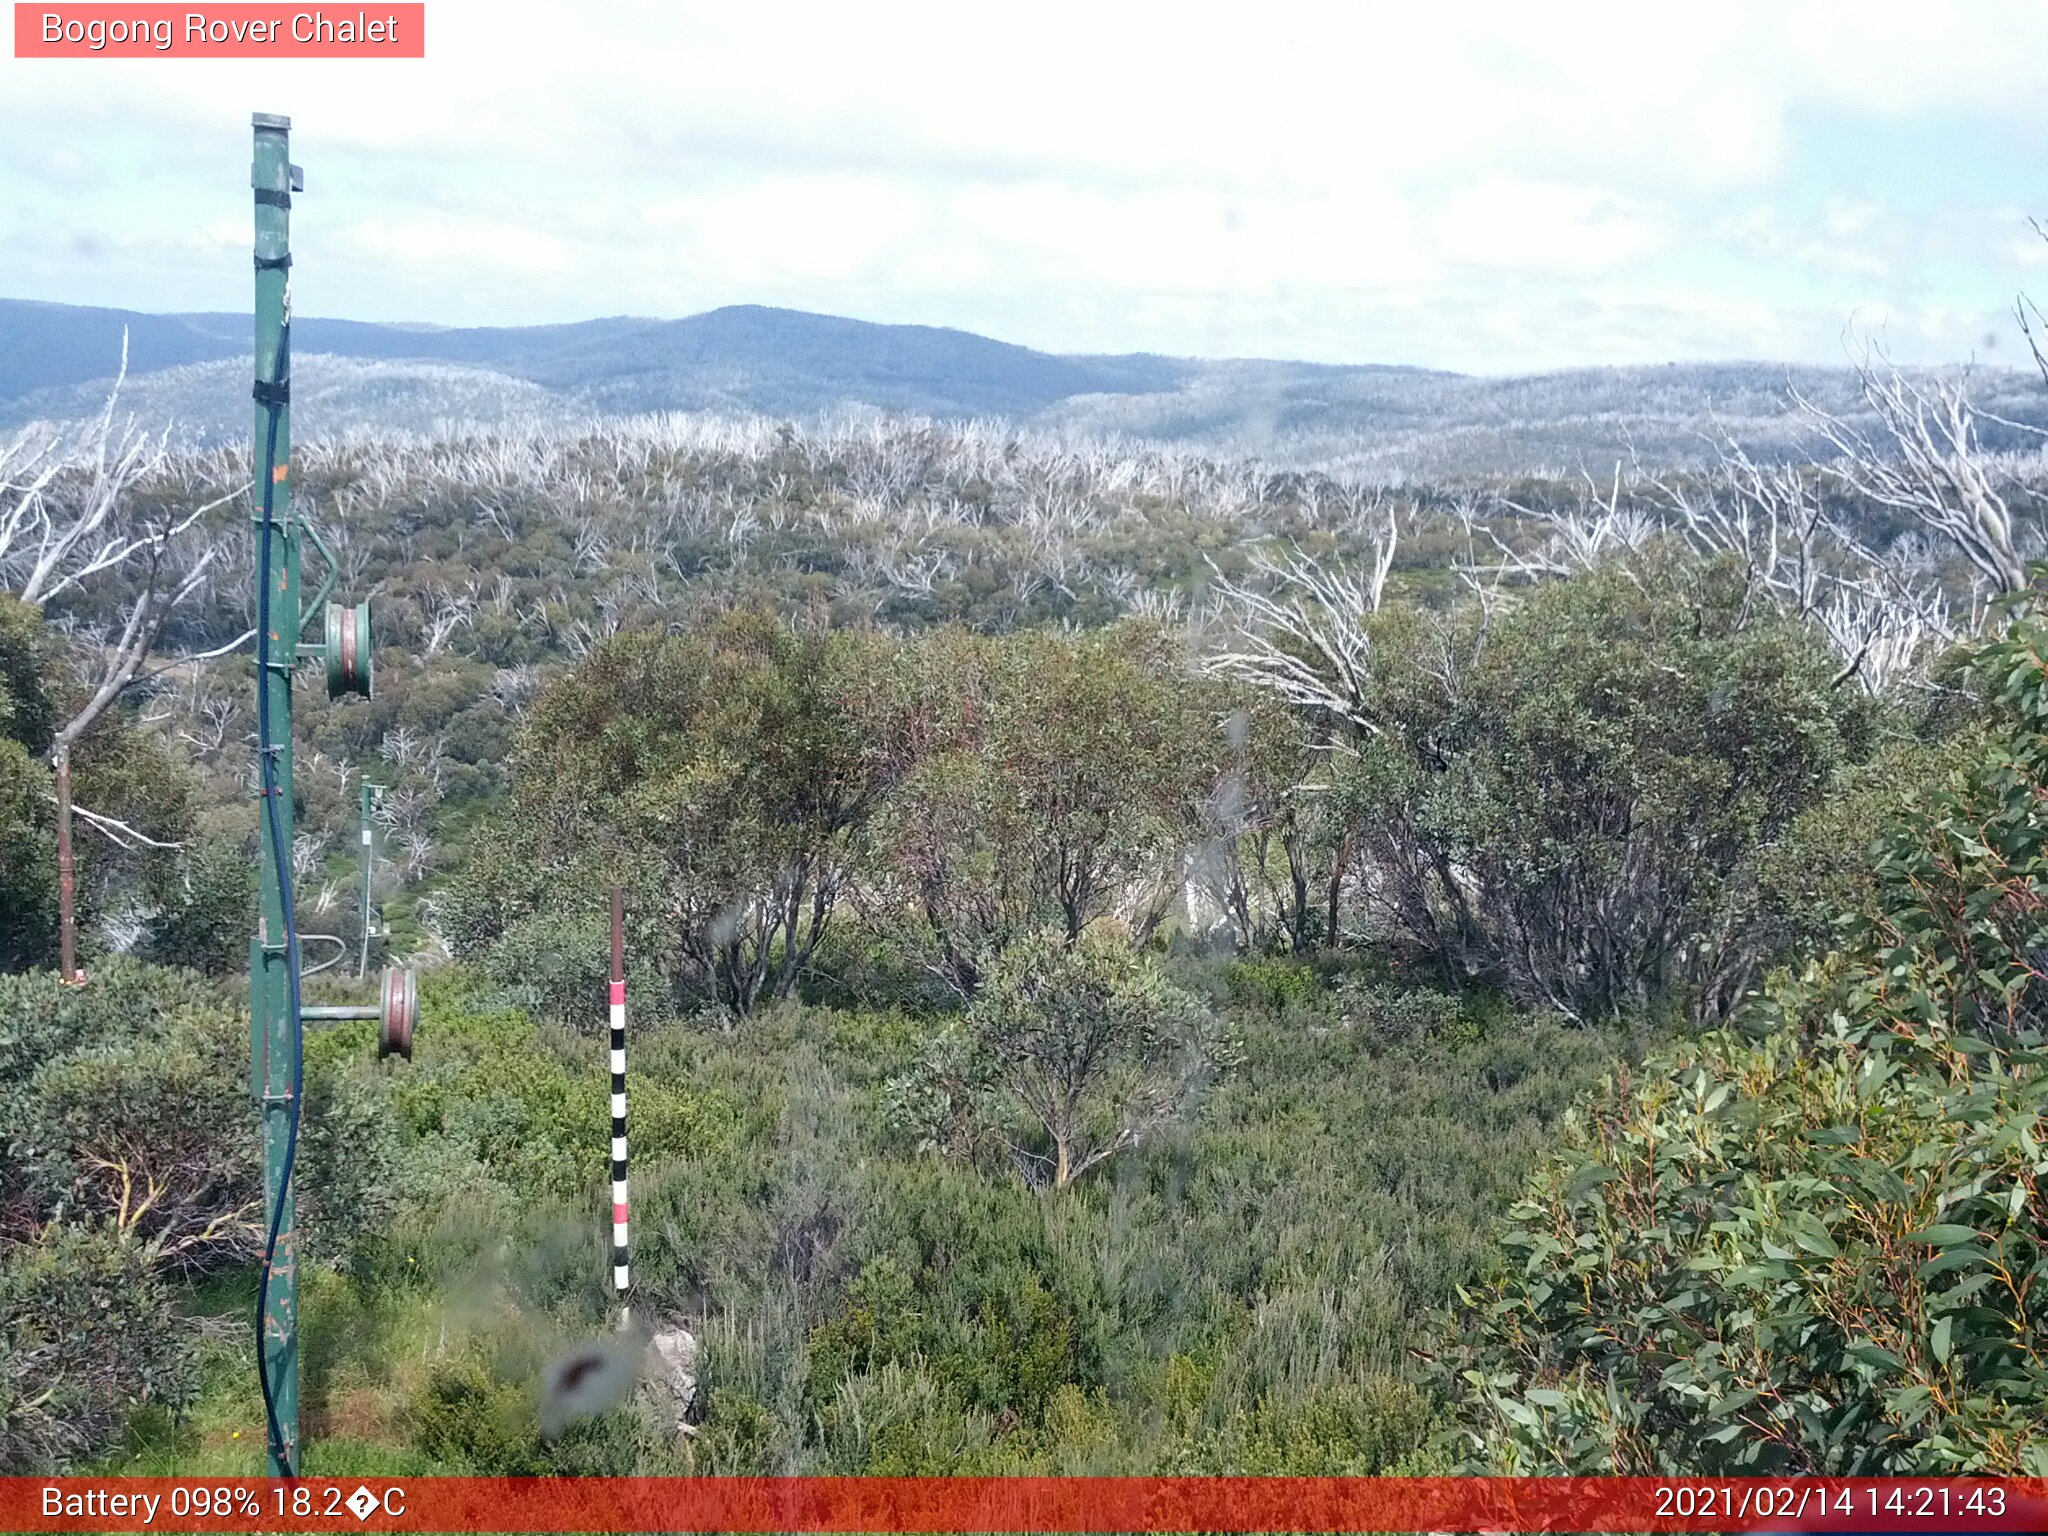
[400,1009]
[348,649]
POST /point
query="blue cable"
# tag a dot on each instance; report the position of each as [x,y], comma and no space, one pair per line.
[267,764]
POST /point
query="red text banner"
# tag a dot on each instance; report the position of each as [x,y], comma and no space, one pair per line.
[226,31]
[1023,1504]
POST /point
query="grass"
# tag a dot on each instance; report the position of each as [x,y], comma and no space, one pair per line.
[1251,1288]
[364,1355]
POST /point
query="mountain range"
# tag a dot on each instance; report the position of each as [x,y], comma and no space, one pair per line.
[190,371]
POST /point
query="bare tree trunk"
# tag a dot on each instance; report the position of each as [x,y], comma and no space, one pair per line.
[1336,891]
[1298,883]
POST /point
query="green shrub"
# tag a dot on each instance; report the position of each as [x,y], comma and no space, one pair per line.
[87,1334]
[965,1282]
[1779,1259]
[1570,798]
[558,965]
[28,861]
[1025,1347]
[1344,1429]
[1395,1015]
[41,1019]
[206,909]
[533,1104]
[1043,780]
[721,772]
[900,1421]
[739,1435]
[348,1166]
[878,1322]
[1822,866]
[1270,982]
[1073,1051]
[479,1411]
[469,1417]
[1821,1250]
[1001,1341]
[140,1115]
[154,1132]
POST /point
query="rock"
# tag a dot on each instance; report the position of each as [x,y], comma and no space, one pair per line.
[672,1366]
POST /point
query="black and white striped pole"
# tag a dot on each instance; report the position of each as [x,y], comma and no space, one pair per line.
[621,1269]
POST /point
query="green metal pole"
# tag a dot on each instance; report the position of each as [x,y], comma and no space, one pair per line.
[369,842]
[274,1025]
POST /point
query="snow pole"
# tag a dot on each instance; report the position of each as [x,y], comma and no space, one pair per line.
[621,1281]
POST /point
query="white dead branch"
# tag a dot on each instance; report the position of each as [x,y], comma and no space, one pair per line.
[1308,640]
[1929,465]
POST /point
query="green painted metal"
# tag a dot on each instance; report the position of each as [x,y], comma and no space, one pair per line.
[367,836]
[274,1024]
[326,588]
[276,1017]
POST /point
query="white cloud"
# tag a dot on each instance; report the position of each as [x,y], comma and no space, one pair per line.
[1534,226]
[447,245]
[1336,180]
[796,228]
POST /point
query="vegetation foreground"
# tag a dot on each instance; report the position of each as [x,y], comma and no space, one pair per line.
[1399,1018]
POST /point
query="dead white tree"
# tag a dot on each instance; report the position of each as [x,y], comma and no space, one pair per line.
[1772,519]
[72,517]
[1928,464]
[417,846]
[917,574]
[1164,606]
[402,746]
[1303,631]
[514,687]
[444,610]
[1600,528]
[593,547]
[1883,642]
[1881,611]
[210,716]
[2029,315]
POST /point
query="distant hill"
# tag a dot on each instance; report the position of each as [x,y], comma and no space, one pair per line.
[745,357]
[1376,421]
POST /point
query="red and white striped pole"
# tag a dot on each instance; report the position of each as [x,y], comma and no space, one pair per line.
[620,1274]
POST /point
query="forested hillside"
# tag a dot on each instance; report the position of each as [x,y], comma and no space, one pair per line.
[1372,422]
[1139,961]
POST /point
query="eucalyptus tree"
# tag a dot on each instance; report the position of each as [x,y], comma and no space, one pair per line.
[724,772]
[1048,779]
[1075,1050]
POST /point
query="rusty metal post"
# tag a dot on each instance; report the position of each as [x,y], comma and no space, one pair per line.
[67,875]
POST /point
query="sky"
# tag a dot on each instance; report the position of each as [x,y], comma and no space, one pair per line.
[1489,187]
